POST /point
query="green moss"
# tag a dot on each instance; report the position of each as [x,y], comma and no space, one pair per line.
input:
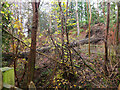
[8,75]
[0,80]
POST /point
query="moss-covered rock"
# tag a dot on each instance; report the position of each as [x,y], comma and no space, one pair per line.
[1,85]
[8,75]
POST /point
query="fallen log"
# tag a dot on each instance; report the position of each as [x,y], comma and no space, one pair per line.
[73,44]
[24,54]
[85,41]
[46,49]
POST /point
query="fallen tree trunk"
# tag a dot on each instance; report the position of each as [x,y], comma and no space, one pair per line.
[46,49]
[85,41]
[25,54]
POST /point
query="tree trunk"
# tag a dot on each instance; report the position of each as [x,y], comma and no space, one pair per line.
[106,37]
[98,10]
[82,14]
[28,24]
[62,27]
[32,55]
[67,36]
[56,24]
[89,19]
[78,30]
[117,37]
[103,9]
[118,22]
[85,12]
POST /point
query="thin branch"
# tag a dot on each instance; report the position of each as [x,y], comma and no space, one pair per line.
[62,34]
[67,35]
[84,61]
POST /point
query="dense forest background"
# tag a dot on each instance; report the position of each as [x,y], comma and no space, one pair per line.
[58,44]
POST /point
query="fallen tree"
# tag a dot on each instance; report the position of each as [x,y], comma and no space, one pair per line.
[96,30]
[40,51]
[46,49]
[85,41]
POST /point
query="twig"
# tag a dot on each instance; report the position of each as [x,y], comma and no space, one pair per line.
[56,46]
[62,27]
[67,35]
[16,37]
[84,61]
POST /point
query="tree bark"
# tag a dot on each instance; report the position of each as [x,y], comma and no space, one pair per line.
[103,9]
[98,10]
[69,57]
[78,29]
[117,37]
[81,14]
[106,37]
[32,55]
[85,11]
[118,22]
[89,26]
[62,27]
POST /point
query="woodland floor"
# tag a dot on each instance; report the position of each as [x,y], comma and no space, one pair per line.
[84,76]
